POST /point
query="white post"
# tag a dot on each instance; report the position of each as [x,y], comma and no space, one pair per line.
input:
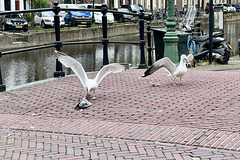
[2,8]
[124,2]
[12,5]
[116,4]
[21,5]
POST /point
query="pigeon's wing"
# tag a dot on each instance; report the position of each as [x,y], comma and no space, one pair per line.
[164,62]
[191,60]
[70,62]
[110,68]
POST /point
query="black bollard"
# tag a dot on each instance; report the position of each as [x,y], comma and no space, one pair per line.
[104,40]
[239,47]
[142,41]
[59,72]
[2,87]
[149,49]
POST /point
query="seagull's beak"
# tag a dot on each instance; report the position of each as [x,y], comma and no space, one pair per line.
[88,91]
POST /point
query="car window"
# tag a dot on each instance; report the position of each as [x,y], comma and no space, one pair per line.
[13,16]
[135,8]
[48,14]
[81,7]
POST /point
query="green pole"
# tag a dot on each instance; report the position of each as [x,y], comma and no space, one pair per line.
[170,39]
[198,8]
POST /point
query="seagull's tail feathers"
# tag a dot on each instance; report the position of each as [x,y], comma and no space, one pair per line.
[148,72]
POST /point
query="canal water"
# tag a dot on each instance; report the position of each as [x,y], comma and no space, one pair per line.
[22,68]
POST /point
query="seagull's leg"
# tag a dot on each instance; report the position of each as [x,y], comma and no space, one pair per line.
[174,81]
[181,81]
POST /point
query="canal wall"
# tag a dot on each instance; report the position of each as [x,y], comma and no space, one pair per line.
[13,41]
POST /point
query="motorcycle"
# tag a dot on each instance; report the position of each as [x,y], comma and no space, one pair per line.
[199,46]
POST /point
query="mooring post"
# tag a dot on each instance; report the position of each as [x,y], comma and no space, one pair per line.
[142,41]
[59,72]
[149,48]
[2,86]
[105,40]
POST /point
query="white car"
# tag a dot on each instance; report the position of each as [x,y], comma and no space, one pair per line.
[98,15]
[46,19]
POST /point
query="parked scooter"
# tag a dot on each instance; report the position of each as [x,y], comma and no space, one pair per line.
[220,48]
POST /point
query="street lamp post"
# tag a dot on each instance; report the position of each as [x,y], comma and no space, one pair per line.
[170,39]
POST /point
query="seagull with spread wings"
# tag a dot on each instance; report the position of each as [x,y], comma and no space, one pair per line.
[88,84]
[175,71]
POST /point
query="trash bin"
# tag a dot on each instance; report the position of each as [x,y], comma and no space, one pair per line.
[159,34]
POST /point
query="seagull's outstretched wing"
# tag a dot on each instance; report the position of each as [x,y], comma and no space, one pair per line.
[164,62]
[110,68]
[191,60]
[70,62]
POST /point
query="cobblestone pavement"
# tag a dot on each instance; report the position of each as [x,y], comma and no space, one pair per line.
[132,118]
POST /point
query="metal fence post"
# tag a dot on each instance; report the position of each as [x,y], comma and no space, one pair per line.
[105,40]
[2,86]
[59,72]
[142,41]
[149,48]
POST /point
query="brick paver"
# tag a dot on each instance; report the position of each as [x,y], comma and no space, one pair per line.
[130,119]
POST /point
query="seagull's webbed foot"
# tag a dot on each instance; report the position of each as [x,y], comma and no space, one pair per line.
[181,81]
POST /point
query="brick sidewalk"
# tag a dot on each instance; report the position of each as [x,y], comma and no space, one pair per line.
[130,119]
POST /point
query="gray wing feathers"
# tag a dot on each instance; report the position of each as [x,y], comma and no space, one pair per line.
[164,62]
[110,68]
[70,62]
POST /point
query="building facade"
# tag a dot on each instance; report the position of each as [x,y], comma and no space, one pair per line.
[11,5]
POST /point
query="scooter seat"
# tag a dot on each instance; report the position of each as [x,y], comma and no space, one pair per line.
[206,37]
[202,38]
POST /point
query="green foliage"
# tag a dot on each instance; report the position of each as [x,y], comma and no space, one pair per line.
[28,17]
[41,4]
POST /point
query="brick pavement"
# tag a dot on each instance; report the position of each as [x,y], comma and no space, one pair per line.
[130,119]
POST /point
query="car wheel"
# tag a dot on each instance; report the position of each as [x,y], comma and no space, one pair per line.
[70,24]
[43,24]
[121,19]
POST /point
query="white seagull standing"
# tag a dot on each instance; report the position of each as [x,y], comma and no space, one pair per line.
[175,71]
[88,84]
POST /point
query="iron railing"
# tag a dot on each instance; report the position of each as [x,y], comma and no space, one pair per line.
[105,41]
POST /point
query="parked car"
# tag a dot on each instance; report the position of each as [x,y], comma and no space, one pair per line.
[226,7]
[13,22]
[73,18]
[124,17]
[136,9]
[98,15]
[46,19]
[237,7]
